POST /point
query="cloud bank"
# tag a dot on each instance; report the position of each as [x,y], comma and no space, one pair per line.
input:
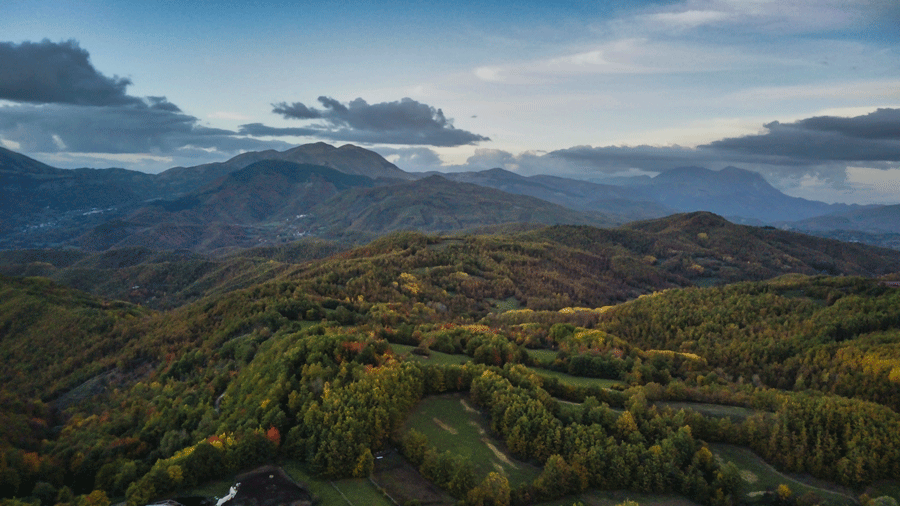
[46,72]
[818,149]
[62,104]
[406,121]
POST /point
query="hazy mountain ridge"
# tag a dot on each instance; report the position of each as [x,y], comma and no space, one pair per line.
[624,203]
[437,204]
[676,251]
[348,158]
[270,197]
[872,220]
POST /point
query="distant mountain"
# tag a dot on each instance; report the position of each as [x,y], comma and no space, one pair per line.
[438,204]
[42,206]
[348,159]
[269,197]
[709,249]
[739,194]
[624,203]
[875,225]
[731,192]
[260,203]
[12,163]
[45,206]
[872,220]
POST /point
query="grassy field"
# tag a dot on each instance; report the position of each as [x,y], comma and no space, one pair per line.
[758,477]
[435,357]
[508,304]
[543,356]
[451,424]
[357,492]
[735,413]
[576,381]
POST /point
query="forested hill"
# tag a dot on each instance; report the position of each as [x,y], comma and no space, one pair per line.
[321,365]
[568,265]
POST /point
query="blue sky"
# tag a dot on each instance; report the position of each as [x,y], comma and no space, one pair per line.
[805,92]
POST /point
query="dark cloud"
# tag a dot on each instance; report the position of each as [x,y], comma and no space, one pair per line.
[881,124]
[820,146]
[403,122]
[295,111]
[81,129]
[48,72]
[161,104]
[618,158]
[260,130]
[66,106]
[874,137]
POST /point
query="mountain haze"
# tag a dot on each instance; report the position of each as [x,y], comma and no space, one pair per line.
[270,197]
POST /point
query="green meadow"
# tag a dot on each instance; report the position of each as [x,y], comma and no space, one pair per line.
[451,423]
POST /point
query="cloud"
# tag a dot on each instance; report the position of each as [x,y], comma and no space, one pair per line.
[413,159]
[874,137]
[765,16]
[62,104]
[57,73]
[403,122]
[260,130]
[83,129]
[295,111]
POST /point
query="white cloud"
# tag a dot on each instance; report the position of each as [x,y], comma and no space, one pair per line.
[13,145]
[759,16]
[688,19]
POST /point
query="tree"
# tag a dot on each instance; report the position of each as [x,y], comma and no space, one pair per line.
[364,464]
[493,491]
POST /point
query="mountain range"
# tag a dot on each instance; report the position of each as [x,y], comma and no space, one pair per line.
[352,194]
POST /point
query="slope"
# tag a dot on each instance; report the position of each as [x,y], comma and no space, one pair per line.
[265,202]
[730,192]
[436,204]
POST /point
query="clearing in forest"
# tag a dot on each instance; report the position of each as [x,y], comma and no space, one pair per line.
[465,431]
[757,477]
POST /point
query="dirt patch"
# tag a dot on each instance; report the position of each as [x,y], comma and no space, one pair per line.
[444,426]
[497,453]
[481,431]
[465,405]
[748,476]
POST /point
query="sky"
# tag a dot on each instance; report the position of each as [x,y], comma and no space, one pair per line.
[805,92]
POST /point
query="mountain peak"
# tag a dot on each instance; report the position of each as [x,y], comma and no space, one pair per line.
[10,161]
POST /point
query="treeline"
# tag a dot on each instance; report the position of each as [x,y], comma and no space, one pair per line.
[124,402]
[834,335]
[636,449]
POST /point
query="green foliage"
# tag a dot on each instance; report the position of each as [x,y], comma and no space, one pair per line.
[111,398]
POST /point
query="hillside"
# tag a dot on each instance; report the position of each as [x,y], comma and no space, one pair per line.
[348,159]
[313,367]
[267,198]
[160,279]
[436,204]
[264,202]
[613,264]
[730,192]
[869,220]
[626,204]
